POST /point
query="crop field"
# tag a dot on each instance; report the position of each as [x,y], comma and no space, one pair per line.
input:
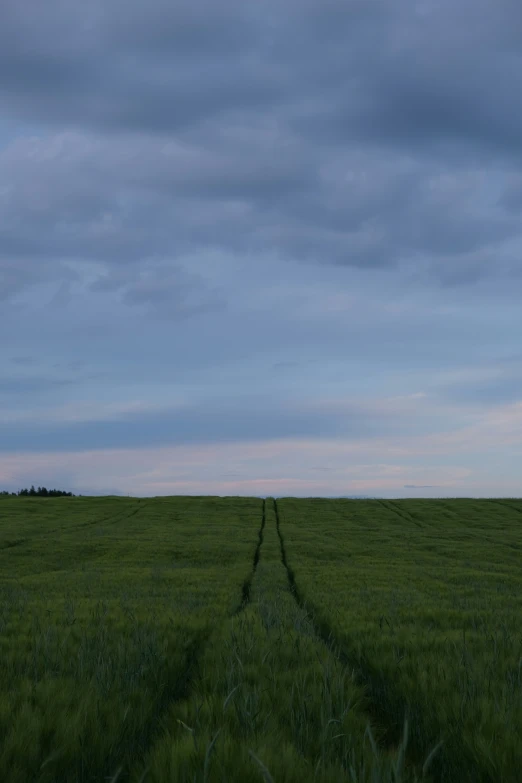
[241,639]
[425,599]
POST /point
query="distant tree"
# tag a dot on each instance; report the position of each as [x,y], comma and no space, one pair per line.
[41,492]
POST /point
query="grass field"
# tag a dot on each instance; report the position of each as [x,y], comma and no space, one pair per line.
[425,599]
[236,639]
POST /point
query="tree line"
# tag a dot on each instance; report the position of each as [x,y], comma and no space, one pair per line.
[41,492]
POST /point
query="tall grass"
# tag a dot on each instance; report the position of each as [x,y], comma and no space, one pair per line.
[206,639]
[271,701]
[425,598]
[102,620]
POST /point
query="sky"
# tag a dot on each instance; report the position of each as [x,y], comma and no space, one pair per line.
[261,248]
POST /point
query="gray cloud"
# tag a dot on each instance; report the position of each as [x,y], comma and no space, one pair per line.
[128,65]
[503,388]
[163,289]
[325,132]
[34,384]
[210,421]
[421,486]
[23,360]
[394,85]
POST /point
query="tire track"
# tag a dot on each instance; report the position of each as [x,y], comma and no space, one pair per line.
[480,535]
[118,518]
[403,515]
[180,689]
[385,707]
[505,505]
[247,584]
[177,690]
[324,631]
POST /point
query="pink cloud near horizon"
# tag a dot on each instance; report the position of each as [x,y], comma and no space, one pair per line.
[289,466]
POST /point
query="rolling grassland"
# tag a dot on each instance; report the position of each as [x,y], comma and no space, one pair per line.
[236,639]
[424,598]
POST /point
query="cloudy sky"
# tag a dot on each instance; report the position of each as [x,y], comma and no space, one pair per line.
[261,248]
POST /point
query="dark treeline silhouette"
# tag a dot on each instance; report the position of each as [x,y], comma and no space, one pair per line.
[41,492]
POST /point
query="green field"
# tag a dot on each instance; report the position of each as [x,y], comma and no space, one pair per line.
[236,639]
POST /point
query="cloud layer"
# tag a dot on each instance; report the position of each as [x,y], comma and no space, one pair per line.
[245,224]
